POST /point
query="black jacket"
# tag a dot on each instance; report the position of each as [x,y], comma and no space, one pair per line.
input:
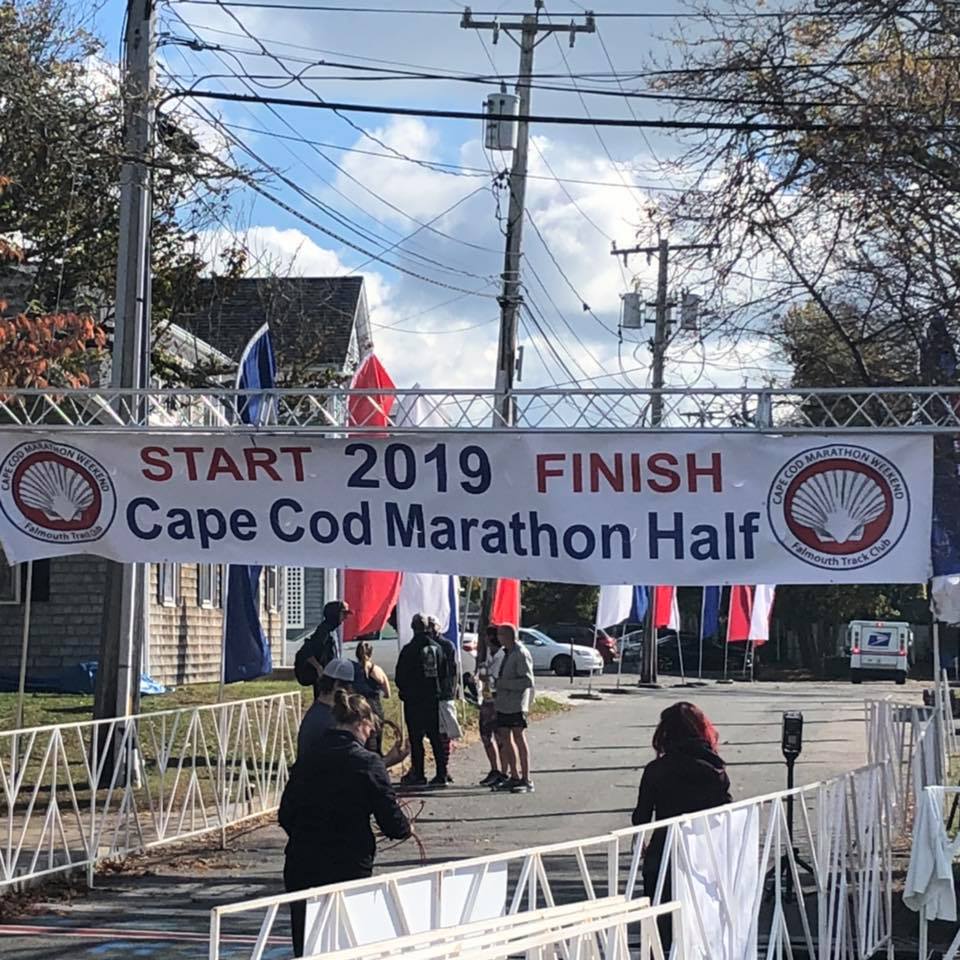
[414,687]
[688,778]
[448,689]
[327,804]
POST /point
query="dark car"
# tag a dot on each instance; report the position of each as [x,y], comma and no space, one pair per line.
[583,634]
[740,659]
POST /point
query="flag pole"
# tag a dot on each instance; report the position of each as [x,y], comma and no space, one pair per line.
[703,624]
[22,683]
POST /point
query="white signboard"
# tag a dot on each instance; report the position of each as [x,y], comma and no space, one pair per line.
[676,509]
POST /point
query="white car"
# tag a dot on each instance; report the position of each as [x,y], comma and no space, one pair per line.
[548,654]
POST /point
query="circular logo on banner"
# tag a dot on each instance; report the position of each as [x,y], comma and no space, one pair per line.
[838,506]
[56,493]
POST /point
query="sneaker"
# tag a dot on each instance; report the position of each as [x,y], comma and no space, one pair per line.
[412,779]
[449,778]
[506,784]
[522,786]
[491,778]
[439,782]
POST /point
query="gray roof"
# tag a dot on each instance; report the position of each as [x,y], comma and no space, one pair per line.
[309,316]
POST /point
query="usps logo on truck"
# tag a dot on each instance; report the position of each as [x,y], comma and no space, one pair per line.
[878,639]
[56,493]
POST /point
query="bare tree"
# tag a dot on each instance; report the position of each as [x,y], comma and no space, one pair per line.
[830,174]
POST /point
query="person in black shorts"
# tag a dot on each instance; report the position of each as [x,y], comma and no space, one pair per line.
[512,700]
[488,711]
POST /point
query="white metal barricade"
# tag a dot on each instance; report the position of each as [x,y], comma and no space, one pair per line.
[565,922]
[175,774]
[582,932]
[732,869]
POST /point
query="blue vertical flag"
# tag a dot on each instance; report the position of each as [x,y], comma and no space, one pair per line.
[641,603]
[452,633]
[246,649]
[710,613]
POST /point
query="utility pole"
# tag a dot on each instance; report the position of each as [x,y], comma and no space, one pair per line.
[531,33]
[125,604]
[658,350]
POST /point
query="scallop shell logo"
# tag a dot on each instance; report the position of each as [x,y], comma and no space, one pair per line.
[56,493]
[58,490]
[839,506]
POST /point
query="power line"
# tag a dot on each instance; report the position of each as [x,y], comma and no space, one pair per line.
[338,218]
[597,76]
[455,169]
[609,15]
[733,126]
[392,76]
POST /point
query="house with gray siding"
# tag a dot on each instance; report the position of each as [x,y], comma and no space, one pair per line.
[323,319]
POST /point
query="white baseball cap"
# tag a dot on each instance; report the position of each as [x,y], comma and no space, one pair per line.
[341,670]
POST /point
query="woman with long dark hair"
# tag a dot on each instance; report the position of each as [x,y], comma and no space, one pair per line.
[371,682]
[327,805]
[686,776]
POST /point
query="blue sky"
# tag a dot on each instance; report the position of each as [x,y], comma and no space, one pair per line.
[443,333]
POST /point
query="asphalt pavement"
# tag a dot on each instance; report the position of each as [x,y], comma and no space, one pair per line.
[587,764]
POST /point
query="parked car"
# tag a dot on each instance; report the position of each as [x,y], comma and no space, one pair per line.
[582,634]
[739,657]
[386,649]
[549,654]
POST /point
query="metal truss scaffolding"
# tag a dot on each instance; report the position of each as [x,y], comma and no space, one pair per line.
[304,411]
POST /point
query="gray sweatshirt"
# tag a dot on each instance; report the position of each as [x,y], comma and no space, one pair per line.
[514,692]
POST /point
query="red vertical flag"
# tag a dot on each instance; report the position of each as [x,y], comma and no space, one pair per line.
[666,613]
[741,608]
[506,603]
[372,594]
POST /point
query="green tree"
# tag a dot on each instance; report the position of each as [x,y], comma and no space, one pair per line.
[60,154]
[543,602]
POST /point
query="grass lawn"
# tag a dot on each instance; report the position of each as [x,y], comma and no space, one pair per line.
[42,709]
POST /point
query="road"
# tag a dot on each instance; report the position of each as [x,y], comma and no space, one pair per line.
[587,764]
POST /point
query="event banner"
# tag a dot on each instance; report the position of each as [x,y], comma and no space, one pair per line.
[644,508]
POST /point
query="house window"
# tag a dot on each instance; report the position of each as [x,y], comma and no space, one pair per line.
[168,584]
[9,581]
[293,595]
[273,588]
[206,584]
[219,583]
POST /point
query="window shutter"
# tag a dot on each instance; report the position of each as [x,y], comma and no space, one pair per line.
[293,591]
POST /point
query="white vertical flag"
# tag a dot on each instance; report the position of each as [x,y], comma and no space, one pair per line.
[614,604]
[760,614]
[426,593]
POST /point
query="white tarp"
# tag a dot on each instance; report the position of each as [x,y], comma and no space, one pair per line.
[929,885]
[717,877]
[676,508]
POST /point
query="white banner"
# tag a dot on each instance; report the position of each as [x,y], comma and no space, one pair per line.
[675,508]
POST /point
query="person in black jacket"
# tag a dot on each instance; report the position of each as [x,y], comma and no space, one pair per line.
[450,686]
[422,678]
[327,804]
[321,646]
[686,776]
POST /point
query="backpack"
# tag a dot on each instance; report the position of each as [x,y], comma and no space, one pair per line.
[430,654]
[306,673]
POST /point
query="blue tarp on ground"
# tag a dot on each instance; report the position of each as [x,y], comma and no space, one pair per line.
[79,678]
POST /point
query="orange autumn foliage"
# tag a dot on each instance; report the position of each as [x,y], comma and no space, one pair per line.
[54,349]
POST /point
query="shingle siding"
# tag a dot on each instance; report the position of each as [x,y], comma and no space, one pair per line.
[65,629]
